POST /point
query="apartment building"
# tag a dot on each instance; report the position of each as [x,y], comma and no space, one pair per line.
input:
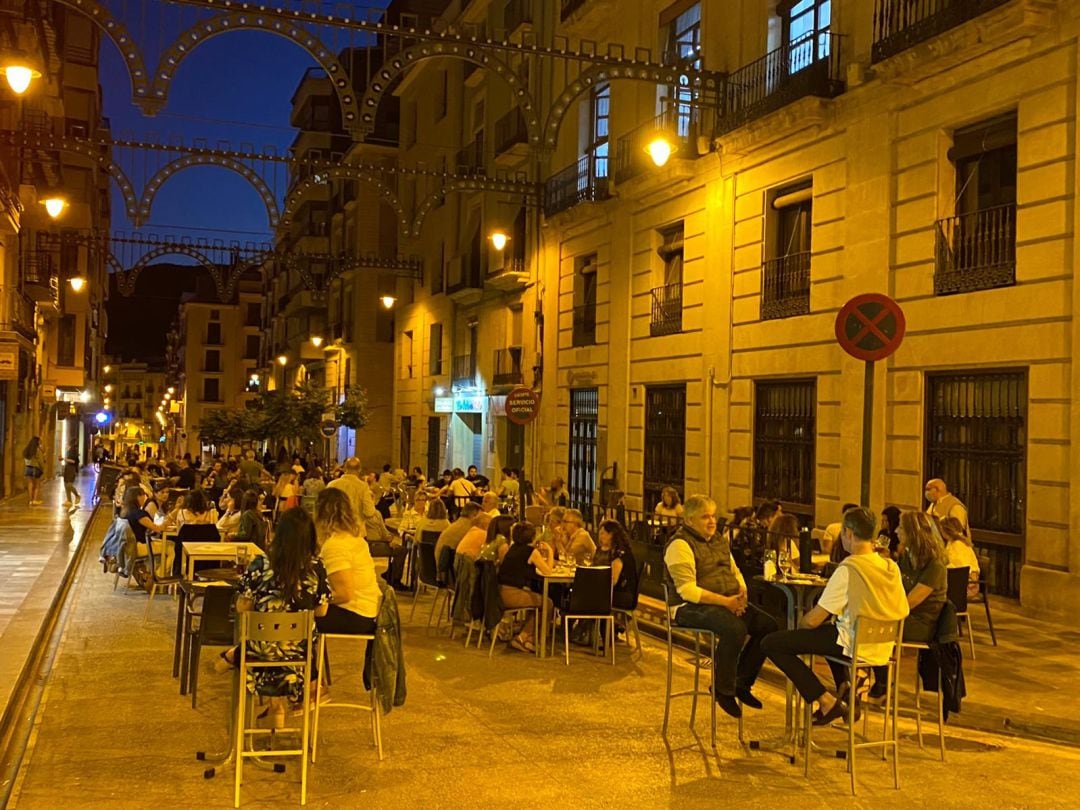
[681,318]
[215,368]
[52,322]
[134,390]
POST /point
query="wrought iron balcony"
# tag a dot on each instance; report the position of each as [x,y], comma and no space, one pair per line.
[516,14]
[809,66]
[976,251]
[584,181]
[22,315]
[463,371]
[510,131]
[41,278]
[785,286]
[584,325]
[508,367]
[900,24]
[470,159]
[680,125]
[666,316]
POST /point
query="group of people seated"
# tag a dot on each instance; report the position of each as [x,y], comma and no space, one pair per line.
[707,590]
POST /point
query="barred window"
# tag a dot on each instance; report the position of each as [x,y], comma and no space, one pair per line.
[785,417]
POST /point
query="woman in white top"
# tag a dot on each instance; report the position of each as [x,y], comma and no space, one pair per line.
[960,553]
[354,586]
[229,522]
[197,510]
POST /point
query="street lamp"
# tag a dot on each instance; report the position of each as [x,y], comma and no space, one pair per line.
[316,341]
[499,239]
[19,71]
[54,206]
[77,283]
[660,149]
[171,390]
[388,301]
[282,360]
[107,369]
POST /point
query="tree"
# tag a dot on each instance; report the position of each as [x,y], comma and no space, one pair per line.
[353,411]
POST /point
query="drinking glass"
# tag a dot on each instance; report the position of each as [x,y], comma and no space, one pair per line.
[587,560]
[784,564]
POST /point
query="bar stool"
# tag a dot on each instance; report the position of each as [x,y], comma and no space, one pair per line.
[866,631]
[272,628]
[324,671]
[917,711]
[697,633]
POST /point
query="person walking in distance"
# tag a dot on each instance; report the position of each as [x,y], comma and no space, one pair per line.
[70,471]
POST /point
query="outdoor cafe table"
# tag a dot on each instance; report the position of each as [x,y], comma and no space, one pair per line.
[560,574]
[214,552]
[800,590]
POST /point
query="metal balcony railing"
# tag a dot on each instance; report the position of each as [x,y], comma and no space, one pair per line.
[900,24]
[785,286]
[22,315]
[809,66]
[463,371]
[584,325]
[666,317]
[510,130]
[584,181]
[517,13]
[470,159]
[40,277]
[976,251]
[681,125]
[568,7]
[508,367]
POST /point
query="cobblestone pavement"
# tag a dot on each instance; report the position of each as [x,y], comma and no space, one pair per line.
[36,544]
[113,731]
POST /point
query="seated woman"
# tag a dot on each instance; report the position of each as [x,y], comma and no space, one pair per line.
[888,541]
[784,537]
[354,605]
[289,578]
[198,510]
[252,527]
[614,550]
[498,535]
[141,526]
[172,517]
[960,553]
[229,521]
[553,532]
[517,570]
[922,567]
[670,506]
[435,520]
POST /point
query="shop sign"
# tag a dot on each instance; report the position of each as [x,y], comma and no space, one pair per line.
[461,404]
[522,405]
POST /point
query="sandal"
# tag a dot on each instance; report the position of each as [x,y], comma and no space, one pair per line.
[518,643]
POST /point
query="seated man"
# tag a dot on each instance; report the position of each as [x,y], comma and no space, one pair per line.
[451,536]
[864,584]
[831,535]
[576,540]
[490,505]
[706,590]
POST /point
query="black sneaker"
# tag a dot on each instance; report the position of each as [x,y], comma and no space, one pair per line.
[729,704]
[876,694]
[747,698]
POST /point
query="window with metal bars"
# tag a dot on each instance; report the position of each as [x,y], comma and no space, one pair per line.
[785,416]
[665,441]
[584,424]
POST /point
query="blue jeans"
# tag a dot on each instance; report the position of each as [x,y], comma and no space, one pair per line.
[736,660]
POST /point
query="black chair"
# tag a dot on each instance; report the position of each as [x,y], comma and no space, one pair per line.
[215,629]
[986,582]
[628,612]
[428,577]
[591,599]
[194,533]
[958,596]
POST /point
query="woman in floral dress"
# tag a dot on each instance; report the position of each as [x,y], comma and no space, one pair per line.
[289,578]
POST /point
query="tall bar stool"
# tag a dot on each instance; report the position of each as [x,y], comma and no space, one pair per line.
[698,633]
[917,711]
[372,706]
[866,631]
[272,628]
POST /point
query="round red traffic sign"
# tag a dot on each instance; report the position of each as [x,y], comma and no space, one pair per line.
[870,326]
[522,405]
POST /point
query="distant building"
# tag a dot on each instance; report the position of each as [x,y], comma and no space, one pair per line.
[134,389]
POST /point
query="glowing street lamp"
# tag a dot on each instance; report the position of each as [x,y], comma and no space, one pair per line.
[19,72]
[282,360]
[316,341]
[499,239]
[54,206]
[107,369]
[77,283]
[388,301]
[171,390]
[660,149]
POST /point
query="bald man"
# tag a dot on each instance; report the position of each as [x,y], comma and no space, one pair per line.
[490,505]
[358,491]
[944,504]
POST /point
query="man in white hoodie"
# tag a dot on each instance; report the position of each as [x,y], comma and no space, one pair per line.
[865,584]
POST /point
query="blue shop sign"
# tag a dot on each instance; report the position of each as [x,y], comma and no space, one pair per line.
[461,404]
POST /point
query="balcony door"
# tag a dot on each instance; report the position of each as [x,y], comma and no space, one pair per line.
[806,31]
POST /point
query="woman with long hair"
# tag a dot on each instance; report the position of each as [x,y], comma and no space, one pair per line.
[34,469]
[354,604]
[197,509]
[960,553]
[889,536]
[498,535]
[669,506]
[521,561]
[614,550]
[922,567]
[253,526]
[784,537]
[289,578]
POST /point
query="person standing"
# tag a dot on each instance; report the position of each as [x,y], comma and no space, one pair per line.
[34,469]
[707,590]
[944,504]
[70,471]
[357,490]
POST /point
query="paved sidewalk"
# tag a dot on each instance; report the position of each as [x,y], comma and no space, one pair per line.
[113,731]
[36,545]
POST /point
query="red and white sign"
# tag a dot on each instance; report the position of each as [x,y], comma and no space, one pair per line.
[870,327]
[522,405]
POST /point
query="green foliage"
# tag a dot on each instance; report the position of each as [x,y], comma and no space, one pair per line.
[353,411]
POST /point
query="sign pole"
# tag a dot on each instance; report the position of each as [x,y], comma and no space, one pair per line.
[867,432]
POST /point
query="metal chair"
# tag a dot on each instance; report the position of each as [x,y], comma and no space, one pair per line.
[957,594]
[273,628]
[866,631]
[643,569]
[986,582]
[428,577]
[324,671]
[590,599]
[158,577]
[917,711]
[215,629]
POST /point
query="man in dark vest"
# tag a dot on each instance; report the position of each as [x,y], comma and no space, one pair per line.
[706,590]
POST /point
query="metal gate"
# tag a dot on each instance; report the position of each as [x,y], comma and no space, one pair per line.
[785,419]
[584,421]
[976,436]
[665,441]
